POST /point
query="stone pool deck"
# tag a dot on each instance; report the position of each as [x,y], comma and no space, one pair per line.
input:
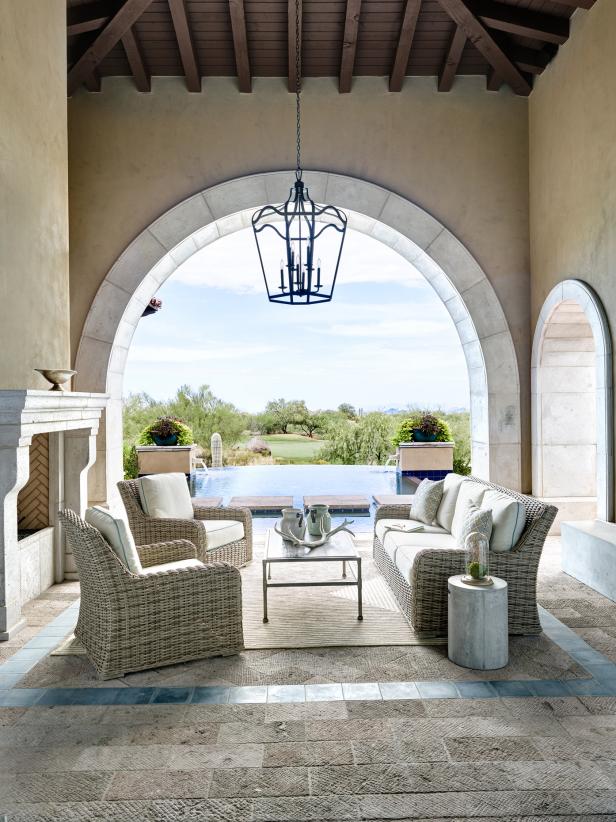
[351,749]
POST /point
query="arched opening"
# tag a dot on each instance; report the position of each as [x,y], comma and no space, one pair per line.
[572,405]
[447,265]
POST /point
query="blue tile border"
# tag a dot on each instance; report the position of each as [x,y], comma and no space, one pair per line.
[601,680]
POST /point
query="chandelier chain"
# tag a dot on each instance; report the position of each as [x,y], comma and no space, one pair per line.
[298,88]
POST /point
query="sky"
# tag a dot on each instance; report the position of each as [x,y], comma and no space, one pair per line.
[385,341]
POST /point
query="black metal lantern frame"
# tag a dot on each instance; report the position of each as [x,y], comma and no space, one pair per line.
[300,278]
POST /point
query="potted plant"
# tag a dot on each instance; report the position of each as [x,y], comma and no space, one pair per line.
[166,431]
[422,427]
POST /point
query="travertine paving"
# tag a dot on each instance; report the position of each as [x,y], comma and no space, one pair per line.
[533,758]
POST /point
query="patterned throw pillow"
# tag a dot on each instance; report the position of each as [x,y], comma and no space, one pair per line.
[475,519]
[426,501]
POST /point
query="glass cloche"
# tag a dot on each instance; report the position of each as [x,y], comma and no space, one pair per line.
[477,560]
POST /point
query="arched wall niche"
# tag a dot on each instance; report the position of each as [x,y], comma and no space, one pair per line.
[395,221]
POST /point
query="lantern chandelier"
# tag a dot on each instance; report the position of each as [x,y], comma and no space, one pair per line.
[301,277]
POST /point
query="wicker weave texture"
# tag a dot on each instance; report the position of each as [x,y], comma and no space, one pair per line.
[147,530]
[424,600]
[131,623]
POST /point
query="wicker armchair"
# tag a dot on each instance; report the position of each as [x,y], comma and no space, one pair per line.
[424,600]
[147,529]
[131,623]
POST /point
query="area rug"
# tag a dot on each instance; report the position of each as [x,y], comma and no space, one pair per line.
[314,617]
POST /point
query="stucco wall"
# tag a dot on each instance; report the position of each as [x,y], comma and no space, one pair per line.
[462,156]
[573,163]
[34,297]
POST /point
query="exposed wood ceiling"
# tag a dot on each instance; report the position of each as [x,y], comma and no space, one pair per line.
[506,41]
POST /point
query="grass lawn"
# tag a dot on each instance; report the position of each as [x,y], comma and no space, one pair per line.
[293,447]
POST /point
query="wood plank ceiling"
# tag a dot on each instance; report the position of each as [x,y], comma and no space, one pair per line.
[506,41]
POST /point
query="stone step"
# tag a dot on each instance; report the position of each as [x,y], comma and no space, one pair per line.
[339,502]
[208,502]
[261,504]
[393,499]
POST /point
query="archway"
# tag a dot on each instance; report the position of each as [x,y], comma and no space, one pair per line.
[572,419]
[201,219]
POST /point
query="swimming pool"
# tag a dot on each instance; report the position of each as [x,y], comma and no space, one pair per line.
[298,481]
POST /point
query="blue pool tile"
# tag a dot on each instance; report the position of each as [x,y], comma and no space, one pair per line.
[35,654]
[399,690]
[47,642]
[58,696]
[286,693]
[605,672]
[549,687]
[94,696]
[590,687]
[58,631]
[17,665]
[361,690]
[476,690]
[9,680]
[212,694]
[20,697]
[437,690]
[586,656]
[133,696]
[504,687]
[171,695]
[248,693]
[331,692]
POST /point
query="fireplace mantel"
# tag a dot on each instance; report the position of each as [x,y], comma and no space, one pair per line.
[71,420]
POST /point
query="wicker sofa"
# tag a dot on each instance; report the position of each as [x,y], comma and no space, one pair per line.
[420,582]
[147,529]
[177,609]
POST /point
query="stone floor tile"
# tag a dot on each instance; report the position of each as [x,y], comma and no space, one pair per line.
[491,749]
[30,760]
[349,729]
[545,707]
[332,752]
[359,779]
[592,801]
[599,704]
[441,708]
[590,726]
[311,809]
[85,735]
[429,750]
[466,804]
[197,757]
[159,784]
[81,812]
[458,776]
[124,757]
[305,710]
[570,749]
[53,787]
[476,726]
[196,714]
[148,714]
[291,731]
[203,733]
[200,810]
[62,714]
[254,782]
[9,716]
[18,735]
[558,776]
[388,708]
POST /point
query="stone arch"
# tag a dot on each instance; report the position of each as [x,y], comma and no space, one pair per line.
[587,324]
[397,222]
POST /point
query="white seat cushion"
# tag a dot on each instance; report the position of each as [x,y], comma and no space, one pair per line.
[178,565]
[451,487]
[395,543]
[166,496]
[222,531]
[118,536]
[508,519]
[469,492]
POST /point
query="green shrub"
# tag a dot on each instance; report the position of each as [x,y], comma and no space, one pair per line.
[131,462]
[164,427]
[430,423]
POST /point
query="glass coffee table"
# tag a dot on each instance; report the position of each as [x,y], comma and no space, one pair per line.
[340,548]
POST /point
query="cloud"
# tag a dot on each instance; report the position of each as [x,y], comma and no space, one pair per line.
[177,354]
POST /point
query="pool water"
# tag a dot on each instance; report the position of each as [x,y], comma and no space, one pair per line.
[298,481]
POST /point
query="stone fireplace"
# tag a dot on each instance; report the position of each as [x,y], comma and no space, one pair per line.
[47,445]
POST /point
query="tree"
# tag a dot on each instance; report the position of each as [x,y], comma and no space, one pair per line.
[206,414]
[283,413]
[366,442]
[347,410]
[311,422]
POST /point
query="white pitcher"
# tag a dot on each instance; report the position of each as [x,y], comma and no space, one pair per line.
[293,522]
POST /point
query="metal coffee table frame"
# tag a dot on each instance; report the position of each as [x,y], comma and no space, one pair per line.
[327,553]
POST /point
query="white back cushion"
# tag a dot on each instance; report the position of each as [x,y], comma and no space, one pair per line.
[469,492]
[117,534]
[166,496]
[451,487]
[508,519]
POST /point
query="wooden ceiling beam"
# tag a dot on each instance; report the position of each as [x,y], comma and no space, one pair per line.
[405,43]
[292,10]
[93,16]
[136,62]
[533,61]
[349,45]
[112,33]
[186,46]
[577,4]
[525,23]
[452,61]
[93,82]
[493,80]
[485,43]
[240,44]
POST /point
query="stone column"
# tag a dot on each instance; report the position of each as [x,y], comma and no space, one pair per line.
[14,472]
[79,455]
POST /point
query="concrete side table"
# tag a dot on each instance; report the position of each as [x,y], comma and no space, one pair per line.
[478,635]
